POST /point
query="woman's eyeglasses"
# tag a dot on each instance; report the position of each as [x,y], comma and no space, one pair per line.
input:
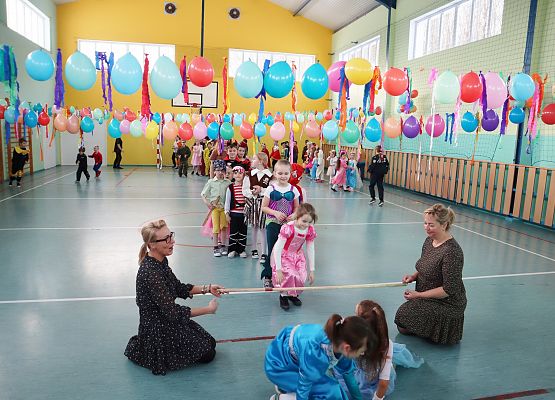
[168,239]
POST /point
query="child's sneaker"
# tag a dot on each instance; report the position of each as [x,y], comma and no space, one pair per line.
[284,303]
[11,184]
[18,184]
[263,258]
[223,250]
[217,252]
[295,300]
[232,254]
[243,254]
[254,254]
[371,201]
[380,203]
[268,283]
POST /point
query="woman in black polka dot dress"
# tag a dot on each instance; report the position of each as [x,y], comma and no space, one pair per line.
[168,338]
[435,310]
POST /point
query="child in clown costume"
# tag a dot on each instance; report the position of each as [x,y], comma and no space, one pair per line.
[295,179]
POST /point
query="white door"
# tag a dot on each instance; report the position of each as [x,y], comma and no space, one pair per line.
[71,143]
[49,153]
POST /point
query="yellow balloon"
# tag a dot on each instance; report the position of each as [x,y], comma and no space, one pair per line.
[296,127]
[359,71]
[253,118]
[195,118]
[152,130]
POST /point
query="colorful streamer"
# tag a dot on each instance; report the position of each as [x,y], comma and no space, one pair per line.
[226,89]
[185,85]
[59,88]
[145,105]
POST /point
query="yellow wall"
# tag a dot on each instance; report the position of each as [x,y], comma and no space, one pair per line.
[262,26]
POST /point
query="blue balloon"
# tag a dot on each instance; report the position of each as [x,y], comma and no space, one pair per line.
[37,107]
[373,130]
[127,76]
[39,65]
[522,87]
[213,130]
[49,111]
[227,118]
[264,120]
[289,116]
[270,120]
[156,117]
[248,80]
[469,123]
[31,119]
[337,115]
[403,98]
[315,82]
[279,80]
[259,129]
[113,128]
[516,116]
[237,120]
[330,130]
[87,124]
[9,115]
[80,71]
[165,78]
[319,116]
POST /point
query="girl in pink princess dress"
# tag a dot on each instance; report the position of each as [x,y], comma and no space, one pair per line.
[288,260]
[340,178]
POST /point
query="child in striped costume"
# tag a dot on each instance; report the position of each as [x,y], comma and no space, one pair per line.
[235,214]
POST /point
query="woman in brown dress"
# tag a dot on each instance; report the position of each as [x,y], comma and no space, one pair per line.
[435,310]
[168,338]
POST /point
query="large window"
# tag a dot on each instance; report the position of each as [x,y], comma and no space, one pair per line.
[238,56]
[154,51]
[369,50]
[455,24]
[27,20]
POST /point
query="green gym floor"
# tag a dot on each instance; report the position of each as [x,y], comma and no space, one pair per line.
[67,286]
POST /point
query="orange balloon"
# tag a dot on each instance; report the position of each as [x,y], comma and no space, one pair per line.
[73,124]
[170,130]
[312,129]
[60,122]
[395,82]
[392,127]
[246,130]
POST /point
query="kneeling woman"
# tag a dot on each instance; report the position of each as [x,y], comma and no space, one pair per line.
[168,338]
[300,359]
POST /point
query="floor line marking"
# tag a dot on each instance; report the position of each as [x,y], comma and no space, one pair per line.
[36,187]
[516,395]
[46,176]
[73,299]
[126,176]
[152,198]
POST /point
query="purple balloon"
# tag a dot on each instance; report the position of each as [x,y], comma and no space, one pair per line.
[438,125]
[490,122]
[411,127]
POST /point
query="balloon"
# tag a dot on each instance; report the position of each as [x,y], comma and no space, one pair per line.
[71,109]
[359,71]
[270,120]
[130,116]
[37,107]
[411,127]
[60,122]
[496,90]
[469,123]
[253,118]
[199,131]
[490,122]
[471,87]
[296,128]
[246,130]
[248,80]
[392,127]
[446,88]
[124,127]
[44,119]
[373,130]
[522,87]
[87,124]
[548,114]
[165,78]
[328,115]
[289,116]
[152,130]
[31,119]
[185,131]
[80,71]
[86,112]
[210,118]
[319,116]
[277,131]
[437,124]
[517,116]
[101,121]
[168,117]
[73,124]
[227,118]
[226,131]
[334,75]
[312,129]
[279,80]
[186,118]
[278,118]
[195,119]
[2,111]
[213,130]
[260,129]
[201,72]
[414,94]
[170,130]
[315,82]
[127,75]
[156,117]
[237,120]
[136,128]
[395,82]
[113,128]
[402,99]
[39,65]
[300,118]
[378,110]
[97,113]
[351,134]
[9,115]
[118,115]
[330,130]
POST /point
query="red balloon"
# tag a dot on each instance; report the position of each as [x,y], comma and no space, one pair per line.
[414,94]
[471,87]
[395,82]
[246,130]
[378,110]
[328,115]
[185,131]
[548,114]
[278,118]
[201,72]
[130,116]
[44,119]
[2,109]
[210,118]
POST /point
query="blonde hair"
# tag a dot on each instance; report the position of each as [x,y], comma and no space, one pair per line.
[148,232]
[263,159]
[443,215]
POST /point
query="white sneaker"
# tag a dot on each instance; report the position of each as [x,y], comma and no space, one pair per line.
[232,254]
[243,254]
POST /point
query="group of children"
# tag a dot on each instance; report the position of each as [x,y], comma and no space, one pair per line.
[82,167]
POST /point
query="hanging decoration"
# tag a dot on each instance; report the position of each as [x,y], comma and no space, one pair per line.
[145,105]
[226,87]
[185,86]
[104,65]
[294,89]
[59,88]
[9,79]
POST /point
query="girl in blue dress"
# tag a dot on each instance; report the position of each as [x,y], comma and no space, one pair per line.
[301,360]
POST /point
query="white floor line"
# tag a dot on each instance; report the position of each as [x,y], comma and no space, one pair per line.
[159,198]
[71,299]
[36,187]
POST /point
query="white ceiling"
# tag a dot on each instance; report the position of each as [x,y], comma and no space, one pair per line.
[333,14]
[63,1]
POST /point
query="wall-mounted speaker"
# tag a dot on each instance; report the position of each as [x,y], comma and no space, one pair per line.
[169,8]
[234,13]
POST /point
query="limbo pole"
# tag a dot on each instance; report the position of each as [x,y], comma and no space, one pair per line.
[313,288]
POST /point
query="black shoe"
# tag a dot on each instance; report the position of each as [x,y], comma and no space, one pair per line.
[380,203]
[254,254]
[268,283]
[284,303]
[372,201]
[295,300]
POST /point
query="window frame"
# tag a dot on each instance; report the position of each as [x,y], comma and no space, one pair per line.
[344,55]
[25,26]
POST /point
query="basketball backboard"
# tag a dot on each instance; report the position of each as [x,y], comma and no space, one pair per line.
[205,97]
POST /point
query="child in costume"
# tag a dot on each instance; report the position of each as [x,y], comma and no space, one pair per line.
[20,156]
[332,162]
[295,180]
[280,202]
[82,162]
[353,178]
[288,260]
[315,164]
[254,184]
[213,195]
[242,156]
[97,156]
[183,154]
[235,214]
[320,168]
[375,373]
[197,158]
[301,359]
[206,157]
[340,178]
[378,168]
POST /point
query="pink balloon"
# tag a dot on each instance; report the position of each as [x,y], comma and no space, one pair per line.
[496,90]
[124,127]
[334,75]
[170,130]
[86,112]
[195,119]
[199,131]
[130,116]
[277,131]
[73,124]
[118,115]
[438,125]
[60,122]
[312,129]
[392,127]
[144,123]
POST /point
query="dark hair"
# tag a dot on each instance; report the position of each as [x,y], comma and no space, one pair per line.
[232,145]
[22,140]
[81,149]
[372,362]
[306,208]
[354,331]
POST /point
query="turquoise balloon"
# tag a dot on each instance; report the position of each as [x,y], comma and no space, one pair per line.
[98,114]
[226,131]
[72,109]
[213,130]
[289,116]
[319,117]
[373,130]
[87,124]
[315,82]
[248,80]
[330,130]
[127,75]
[446,88]
[165,79]
[9,115]
[80,71]
[403,98]
[469,123]
[100,121]
[300,118]
[279,80]
[113,128]
[259,129]
[156,117]
[227,118]
[37,107]
[24,105]
[39,65]
[237,120]
[517,116]
[351,134]
[270,120]
[31,119]
[136,128]
[522,87]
